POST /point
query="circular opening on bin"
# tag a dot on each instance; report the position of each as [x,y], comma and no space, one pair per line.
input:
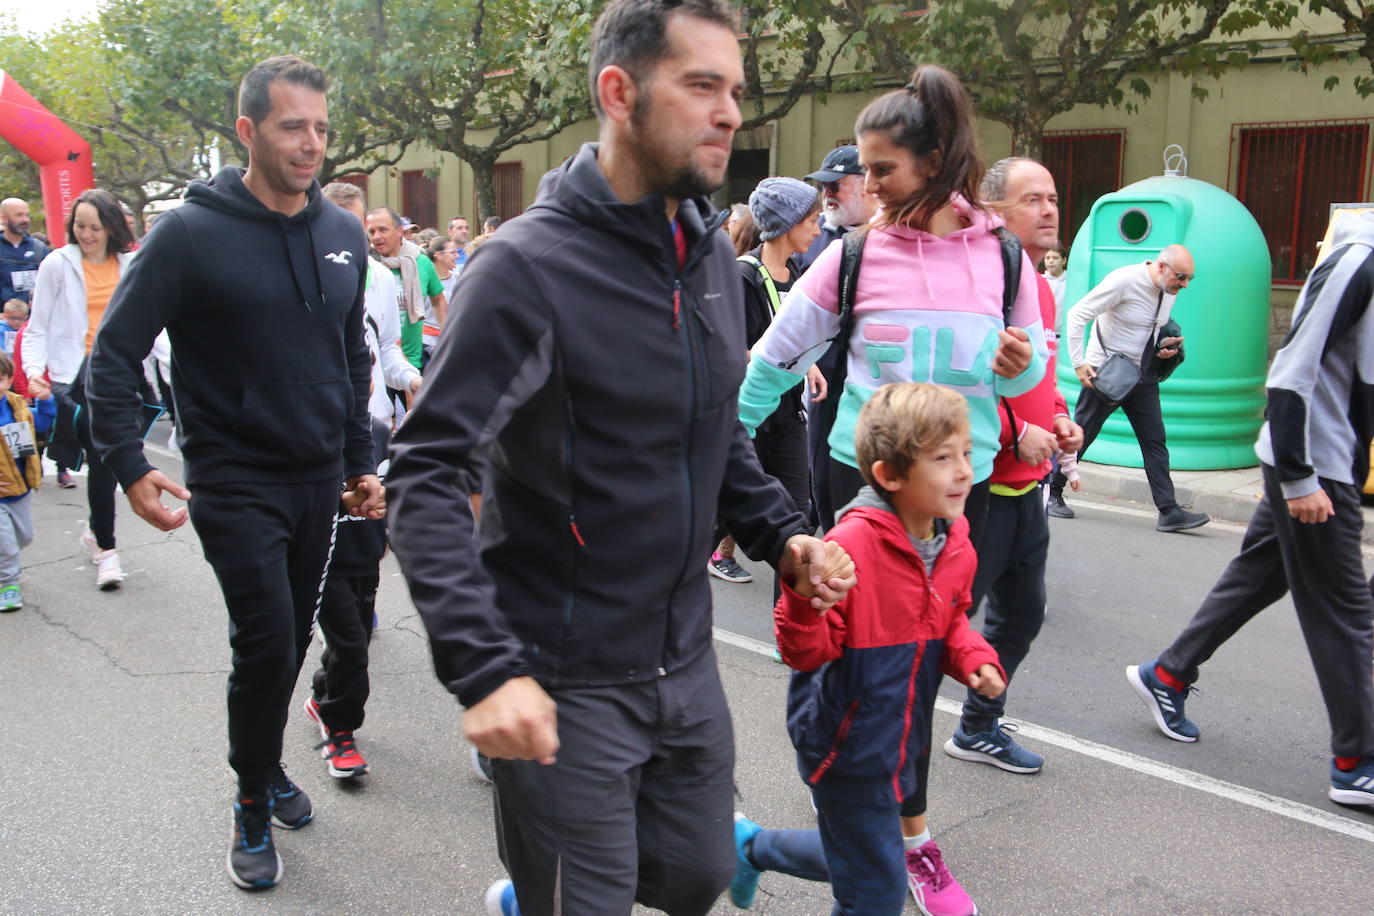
[1134,225]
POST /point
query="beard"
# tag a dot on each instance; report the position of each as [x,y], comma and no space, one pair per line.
[689,181]
[17,228]
[669,172]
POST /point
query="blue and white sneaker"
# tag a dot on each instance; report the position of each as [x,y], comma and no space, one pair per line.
[1353,787]
[995,747]
[1165,703]
[253,861]
[745,883]
[501,900]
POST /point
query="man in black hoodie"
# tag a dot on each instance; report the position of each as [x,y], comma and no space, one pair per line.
[596,362]
[271,372]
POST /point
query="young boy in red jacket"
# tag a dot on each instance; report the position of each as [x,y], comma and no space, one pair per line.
[867,670]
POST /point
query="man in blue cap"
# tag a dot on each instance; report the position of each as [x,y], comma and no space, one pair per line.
[845,204]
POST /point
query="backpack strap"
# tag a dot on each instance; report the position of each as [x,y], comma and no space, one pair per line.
[1011,270]
[774,300]
[1011,284]
[850,257]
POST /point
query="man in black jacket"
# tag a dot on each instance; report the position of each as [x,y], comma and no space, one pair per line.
[271,374]
[596,360]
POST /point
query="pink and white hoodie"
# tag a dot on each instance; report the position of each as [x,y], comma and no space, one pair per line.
[926,309]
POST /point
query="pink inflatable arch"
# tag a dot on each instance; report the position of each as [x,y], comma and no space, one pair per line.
[63,158]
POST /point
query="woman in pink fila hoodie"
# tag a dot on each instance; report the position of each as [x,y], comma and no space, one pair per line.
[928,307]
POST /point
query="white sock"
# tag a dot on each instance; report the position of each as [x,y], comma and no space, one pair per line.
[916,842]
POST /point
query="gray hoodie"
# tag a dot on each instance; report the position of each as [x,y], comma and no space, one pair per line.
[1321,385]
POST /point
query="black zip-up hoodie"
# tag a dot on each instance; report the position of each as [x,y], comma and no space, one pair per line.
[270,368]
[601,381]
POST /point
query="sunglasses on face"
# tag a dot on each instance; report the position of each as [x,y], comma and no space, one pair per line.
[1184,277]
[830,187]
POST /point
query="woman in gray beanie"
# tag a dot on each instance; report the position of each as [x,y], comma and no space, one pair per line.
[784,211]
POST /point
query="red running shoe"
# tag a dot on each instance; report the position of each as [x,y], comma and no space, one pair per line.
[340,751]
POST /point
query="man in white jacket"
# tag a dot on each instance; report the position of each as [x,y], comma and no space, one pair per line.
[1130,306]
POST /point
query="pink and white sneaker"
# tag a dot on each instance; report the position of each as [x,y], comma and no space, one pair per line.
[934,888]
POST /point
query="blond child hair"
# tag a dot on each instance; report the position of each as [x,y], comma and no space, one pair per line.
[902,420]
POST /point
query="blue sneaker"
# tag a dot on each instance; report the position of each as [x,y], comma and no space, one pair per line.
[1165,703]
[996,747]
[253,861]
[290,806]
[746,880]
[501,900]
[1353,787]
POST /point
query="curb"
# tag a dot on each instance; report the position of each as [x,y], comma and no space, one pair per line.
[1227,505]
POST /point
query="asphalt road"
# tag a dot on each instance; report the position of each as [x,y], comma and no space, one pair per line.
[114,793]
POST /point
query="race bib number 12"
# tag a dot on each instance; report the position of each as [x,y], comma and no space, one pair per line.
[19,440]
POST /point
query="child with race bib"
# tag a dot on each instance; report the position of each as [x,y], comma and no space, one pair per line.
[20,475]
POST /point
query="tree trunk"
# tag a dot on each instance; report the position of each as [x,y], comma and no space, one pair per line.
[1028,137]
[484,182]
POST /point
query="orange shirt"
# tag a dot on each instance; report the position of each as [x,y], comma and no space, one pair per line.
[100,286]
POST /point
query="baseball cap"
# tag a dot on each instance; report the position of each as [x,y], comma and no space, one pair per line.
[839,162]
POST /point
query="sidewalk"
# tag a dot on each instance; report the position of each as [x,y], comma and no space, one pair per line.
[1227,495]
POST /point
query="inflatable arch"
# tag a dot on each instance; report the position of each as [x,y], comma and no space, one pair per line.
[63,158]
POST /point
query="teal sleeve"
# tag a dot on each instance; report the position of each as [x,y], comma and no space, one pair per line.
[763,387]
[429,277]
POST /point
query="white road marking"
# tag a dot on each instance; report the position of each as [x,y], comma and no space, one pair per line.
[1230,791]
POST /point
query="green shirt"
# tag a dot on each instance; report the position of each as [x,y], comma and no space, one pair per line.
[412,333]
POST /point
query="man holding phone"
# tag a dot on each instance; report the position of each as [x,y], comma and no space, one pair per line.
[1129,309]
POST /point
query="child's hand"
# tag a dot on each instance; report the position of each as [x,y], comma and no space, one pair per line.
[1075,485]
[987,680]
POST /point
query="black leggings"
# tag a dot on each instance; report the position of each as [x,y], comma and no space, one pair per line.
[100,486]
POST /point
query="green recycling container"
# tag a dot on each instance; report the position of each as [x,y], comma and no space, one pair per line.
[1214,403]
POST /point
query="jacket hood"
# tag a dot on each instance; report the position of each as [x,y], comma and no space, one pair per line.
[72,255]
[227,193]
[976,222]
[1359,228]
[578,189]
[867,504]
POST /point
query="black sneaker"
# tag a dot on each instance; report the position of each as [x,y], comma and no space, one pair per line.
[1057,508]
[290,806]
[253,861]
[1180,519]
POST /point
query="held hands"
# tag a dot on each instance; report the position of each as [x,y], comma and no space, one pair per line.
[145,498]
[1013,355]
[1085,374]
[1069,434]
[819,570]
[1036,446]
[1168,347]
[987,681]
[39,389]
[365,497]
[1312,509]
[516,721]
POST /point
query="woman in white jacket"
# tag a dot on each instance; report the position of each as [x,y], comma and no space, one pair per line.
[73,287]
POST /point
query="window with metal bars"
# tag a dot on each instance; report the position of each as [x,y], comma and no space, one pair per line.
[357,179]
[1085,164]
[508,180]
[1289,173]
